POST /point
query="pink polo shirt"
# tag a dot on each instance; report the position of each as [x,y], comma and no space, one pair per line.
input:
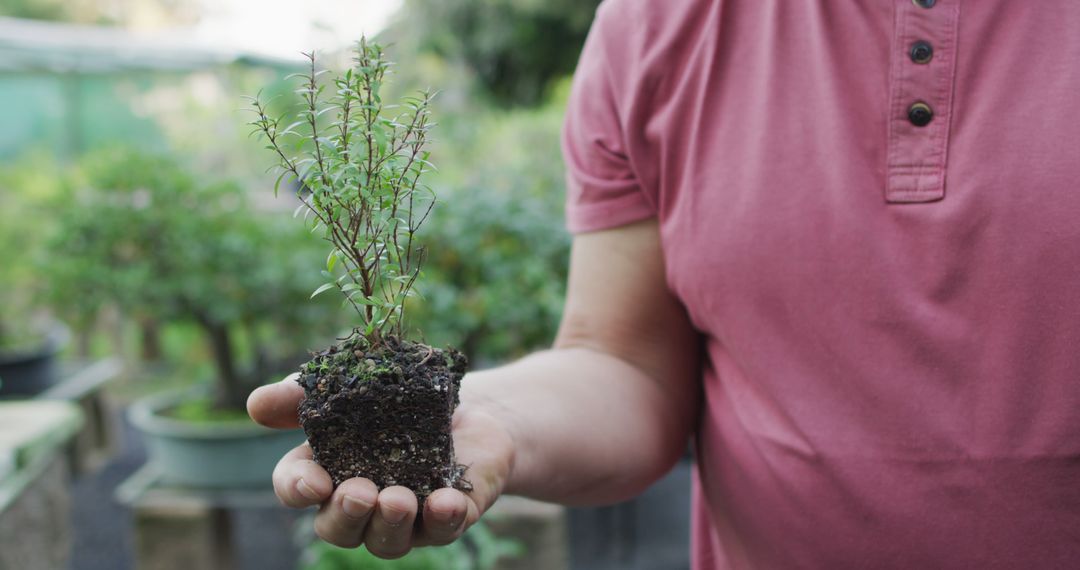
[871,210]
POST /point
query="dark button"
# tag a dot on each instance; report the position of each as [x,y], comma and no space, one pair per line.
[921,52]
[925,3]
[920,114]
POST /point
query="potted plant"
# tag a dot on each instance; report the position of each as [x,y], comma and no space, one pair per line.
[140,233]
[29,339]
[376,404]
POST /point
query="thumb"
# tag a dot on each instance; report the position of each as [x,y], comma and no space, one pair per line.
[274,405]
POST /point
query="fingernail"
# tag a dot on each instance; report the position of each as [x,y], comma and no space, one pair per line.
[392,516]
[443,516]
[354,507]
[306,490]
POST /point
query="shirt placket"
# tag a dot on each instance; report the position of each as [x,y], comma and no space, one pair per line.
[921,96]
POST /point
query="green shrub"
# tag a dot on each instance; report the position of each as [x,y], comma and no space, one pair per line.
[142,233]
[27,187]
[478,549]
[496,272]
[517,49]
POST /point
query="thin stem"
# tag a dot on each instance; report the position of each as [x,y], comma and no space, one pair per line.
[361,184]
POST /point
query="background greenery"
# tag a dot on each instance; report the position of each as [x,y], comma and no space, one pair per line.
[496,272]
[143,212]
[516,49]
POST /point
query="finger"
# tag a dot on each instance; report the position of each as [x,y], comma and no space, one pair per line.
[444,518]
[342,520]
[299,482]
[274,405]
[389,534]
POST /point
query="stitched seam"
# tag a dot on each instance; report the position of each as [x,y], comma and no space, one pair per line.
[899,17]
[954,43]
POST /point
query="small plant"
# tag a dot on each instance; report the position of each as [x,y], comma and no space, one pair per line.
[375,405]
[360,179]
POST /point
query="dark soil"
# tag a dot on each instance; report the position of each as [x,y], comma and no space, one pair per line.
[384,413]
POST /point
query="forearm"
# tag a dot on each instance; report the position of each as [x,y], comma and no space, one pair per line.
[588,427]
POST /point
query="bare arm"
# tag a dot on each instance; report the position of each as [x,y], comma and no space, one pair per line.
[595,419]
[609,409]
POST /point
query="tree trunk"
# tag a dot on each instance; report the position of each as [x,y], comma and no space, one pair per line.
[231,392]
[82,343]
[470,346]
[262,364]
[151,339]
[111,321]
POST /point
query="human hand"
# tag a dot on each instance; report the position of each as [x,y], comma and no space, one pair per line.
[357,512]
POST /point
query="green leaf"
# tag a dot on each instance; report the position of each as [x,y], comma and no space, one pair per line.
[322,289]
[361,300]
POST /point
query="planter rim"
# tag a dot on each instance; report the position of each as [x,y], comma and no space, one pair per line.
[56,336]
[144,413]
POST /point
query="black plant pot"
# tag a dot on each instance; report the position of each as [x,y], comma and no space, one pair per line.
[30,371]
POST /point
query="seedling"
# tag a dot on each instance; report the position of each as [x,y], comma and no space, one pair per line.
[376,405]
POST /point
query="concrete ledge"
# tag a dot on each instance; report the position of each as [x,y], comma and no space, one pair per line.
[35,503]
[182,528]
[83,384]
[540,527]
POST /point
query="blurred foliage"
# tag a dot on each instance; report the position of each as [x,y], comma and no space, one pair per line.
[203,116]
[85,11]
[139,232]
[477,549]
[516,48]
[495,277]
[27,188]
[202,411]
[98,12]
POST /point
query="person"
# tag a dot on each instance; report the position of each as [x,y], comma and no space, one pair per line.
[835,243]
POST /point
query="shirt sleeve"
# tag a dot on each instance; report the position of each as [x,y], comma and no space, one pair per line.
[603,190]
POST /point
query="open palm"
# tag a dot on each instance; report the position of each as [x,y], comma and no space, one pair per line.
[385,520]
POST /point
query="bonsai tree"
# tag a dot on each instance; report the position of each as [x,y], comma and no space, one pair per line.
[376,405]
[26,186]
[141,234]
[30,338]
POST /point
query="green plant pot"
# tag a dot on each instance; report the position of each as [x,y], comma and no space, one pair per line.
[209,455]
[31,370]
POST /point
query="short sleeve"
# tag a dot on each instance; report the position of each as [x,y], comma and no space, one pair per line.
[602,188]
